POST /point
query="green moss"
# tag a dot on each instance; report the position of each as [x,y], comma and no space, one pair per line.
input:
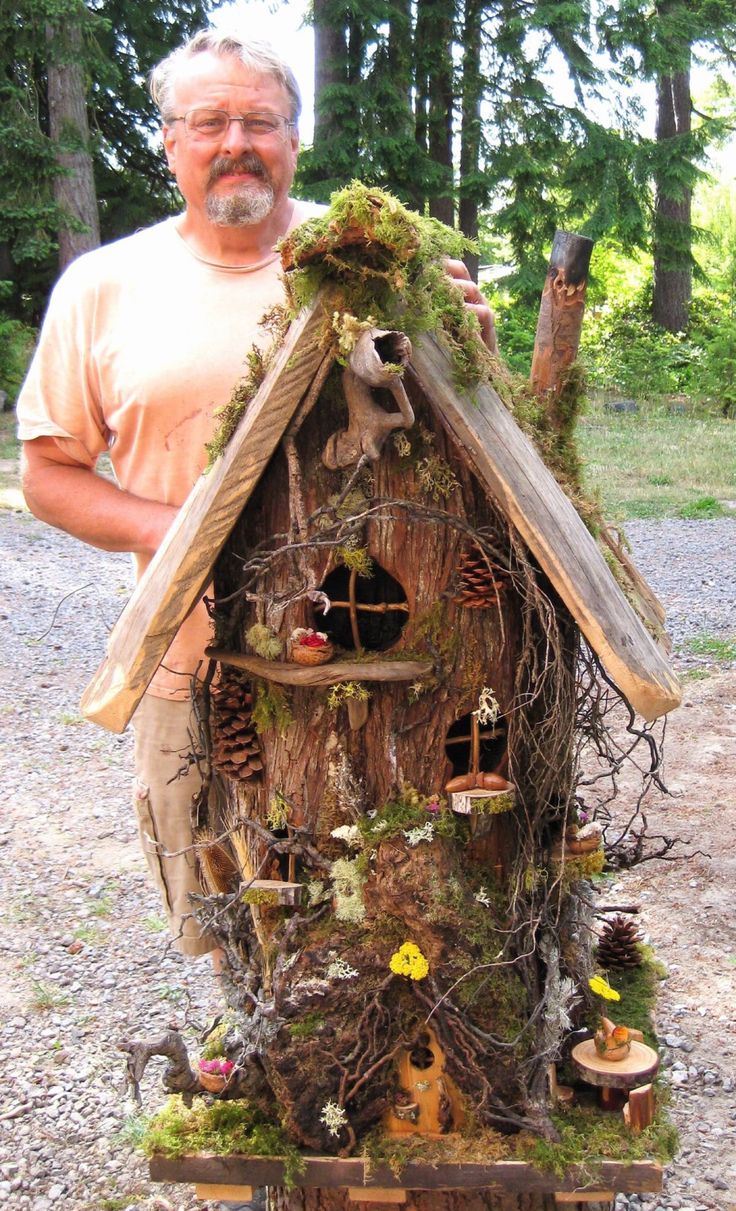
[589,1136]
[271,708]
[407,812]
[309,1025]
[275,322]
[394,272]
[213,1046]
[639,989]
[221,1127]
[495,806]
[260,895]
[581,866]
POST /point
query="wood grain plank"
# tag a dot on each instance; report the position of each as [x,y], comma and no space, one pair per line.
[334,1172]
[527,493]
[181,568]
[287,673]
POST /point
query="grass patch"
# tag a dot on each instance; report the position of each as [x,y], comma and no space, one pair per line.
[712,646]
[46,997]
[90,934]
[706,507]
[655,463]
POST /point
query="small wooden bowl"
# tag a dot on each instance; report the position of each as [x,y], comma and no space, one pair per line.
[302,654]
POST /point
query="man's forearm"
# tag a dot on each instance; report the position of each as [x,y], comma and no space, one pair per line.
[93,509]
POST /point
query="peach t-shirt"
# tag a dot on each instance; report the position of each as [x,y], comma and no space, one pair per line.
[142,341]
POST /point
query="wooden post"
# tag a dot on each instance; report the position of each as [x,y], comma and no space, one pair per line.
[560,315]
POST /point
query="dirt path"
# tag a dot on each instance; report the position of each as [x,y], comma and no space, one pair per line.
[83,962]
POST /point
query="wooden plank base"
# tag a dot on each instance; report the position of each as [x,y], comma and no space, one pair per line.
[375,1194]
[206,1190]
[329,1172]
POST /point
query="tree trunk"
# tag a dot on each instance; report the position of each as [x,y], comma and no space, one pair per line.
[470,137]
[672,217]
[434,40]
[330,70]
[74,188]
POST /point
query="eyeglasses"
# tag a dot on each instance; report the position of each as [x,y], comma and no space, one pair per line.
[213,123]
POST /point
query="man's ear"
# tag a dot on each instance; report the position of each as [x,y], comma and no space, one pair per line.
[169,136]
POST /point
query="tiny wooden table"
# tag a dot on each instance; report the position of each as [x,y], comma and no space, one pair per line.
[614,1078]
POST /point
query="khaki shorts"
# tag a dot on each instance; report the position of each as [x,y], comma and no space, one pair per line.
[163,805]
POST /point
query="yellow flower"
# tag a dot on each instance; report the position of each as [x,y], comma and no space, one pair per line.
[603,989]
[409,961]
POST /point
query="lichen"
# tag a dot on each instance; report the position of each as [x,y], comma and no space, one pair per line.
[271,708]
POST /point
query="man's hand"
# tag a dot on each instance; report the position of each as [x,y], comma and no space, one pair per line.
[474,301]
[71,496]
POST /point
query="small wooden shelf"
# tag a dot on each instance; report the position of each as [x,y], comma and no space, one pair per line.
[330,1172]
[332,673]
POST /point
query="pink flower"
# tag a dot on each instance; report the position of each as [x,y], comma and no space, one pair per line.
[220,1067]
[432,806]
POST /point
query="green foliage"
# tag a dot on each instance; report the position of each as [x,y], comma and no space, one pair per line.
[120,43]
[221,1127]
[356,559]
[16,346]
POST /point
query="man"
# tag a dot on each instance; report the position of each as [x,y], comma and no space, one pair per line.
[142,342]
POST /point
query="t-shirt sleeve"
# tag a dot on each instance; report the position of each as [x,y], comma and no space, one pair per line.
[60,397]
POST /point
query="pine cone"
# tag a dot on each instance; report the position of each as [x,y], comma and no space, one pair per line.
[236,750]
[480,585]
[618,947]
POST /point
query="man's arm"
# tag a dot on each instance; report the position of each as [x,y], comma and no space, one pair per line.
[73,497]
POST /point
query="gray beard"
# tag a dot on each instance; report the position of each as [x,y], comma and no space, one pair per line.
[250,205]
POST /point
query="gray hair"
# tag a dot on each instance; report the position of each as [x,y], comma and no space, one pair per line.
[258,56]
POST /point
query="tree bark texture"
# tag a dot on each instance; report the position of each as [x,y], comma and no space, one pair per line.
[329,775]
[673,206]
[560,314]
[418,1200]
[74,188]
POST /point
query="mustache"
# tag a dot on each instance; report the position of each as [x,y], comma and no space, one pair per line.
[249,162]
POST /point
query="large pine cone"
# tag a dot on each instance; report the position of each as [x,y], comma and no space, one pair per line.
[480,585]
[618,945]
[236,751]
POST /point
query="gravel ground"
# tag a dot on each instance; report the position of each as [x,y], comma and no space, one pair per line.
[83,960]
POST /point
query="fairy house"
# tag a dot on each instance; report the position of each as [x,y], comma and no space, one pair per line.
[402,591]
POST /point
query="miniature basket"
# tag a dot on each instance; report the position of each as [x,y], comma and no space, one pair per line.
[214,1082]
[303,654]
